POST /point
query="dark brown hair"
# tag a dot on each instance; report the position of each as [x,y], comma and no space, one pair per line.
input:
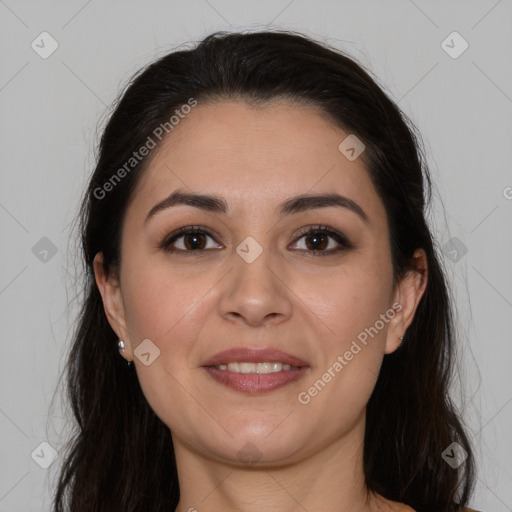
[121,456]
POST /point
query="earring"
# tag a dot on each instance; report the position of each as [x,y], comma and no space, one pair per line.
[121,347]
[401,338]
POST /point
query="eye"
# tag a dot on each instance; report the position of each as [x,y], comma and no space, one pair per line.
[193,240]
[317,241]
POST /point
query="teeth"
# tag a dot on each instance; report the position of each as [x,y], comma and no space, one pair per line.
[255,367]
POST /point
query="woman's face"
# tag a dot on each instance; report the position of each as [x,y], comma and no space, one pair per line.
[254,282]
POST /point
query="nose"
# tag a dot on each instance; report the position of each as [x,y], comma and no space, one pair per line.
[256,293]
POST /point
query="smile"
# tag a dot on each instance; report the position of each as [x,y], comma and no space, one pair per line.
[257,367]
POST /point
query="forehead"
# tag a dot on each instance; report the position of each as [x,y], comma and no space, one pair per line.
[255,156]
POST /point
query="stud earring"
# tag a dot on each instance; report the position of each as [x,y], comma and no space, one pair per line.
[121,347]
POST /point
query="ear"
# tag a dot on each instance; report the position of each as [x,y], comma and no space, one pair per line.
[406,297]
[113,305]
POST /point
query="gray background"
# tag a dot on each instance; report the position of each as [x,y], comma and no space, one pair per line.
[53,107]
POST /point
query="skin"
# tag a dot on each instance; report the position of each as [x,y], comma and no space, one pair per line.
[309,457]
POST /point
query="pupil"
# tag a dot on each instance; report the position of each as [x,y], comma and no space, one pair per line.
[195,237]
[316,237]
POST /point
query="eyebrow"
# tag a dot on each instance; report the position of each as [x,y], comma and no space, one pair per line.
[298,204]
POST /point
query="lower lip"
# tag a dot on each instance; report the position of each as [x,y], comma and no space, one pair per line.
[255,383]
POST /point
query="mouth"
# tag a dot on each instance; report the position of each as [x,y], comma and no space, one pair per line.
[258,368]
[254,371]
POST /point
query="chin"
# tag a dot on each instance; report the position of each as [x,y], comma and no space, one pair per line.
[258,445]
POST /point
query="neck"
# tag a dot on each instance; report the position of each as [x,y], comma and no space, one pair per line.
[330,479]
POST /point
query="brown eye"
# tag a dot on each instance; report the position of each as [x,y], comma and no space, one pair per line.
[187,239]
[194,241]
[319,241]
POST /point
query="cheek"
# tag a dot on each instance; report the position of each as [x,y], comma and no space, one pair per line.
[170,308]
[159,299]
[353,301]
[356,308]
[165,307]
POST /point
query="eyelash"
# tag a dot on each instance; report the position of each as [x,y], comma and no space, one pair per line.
[188,230]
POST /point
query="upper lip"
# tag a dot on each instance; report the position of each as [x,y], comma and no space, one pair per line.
[254,355]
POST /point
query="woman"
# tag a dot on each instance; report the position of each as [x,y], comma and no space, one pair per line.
[257,253]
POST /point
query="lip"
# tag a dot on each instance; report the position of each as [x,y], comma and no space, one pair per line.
[254,355]
[255,383]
